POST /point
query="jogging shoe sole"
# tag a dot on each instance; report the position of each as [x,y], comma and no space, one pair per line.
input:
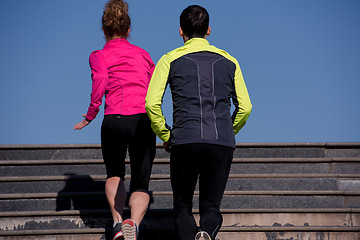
[202,236]
[129,230]
[119,235]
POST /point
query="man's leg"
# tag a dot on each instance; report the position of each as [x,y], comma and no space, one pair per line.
[214,172]
[184,169]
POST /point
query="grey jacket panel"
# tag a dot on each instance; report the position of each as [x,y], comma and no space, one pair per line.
[202,86]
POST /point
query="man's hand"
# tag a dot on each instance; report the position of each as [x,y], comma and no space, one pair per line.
[167,146]
[81,124]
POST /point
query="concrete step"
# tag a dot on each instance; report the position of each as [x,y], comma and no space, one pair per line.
[13,162]
[275,191]
[295,168]
[237,223]
[243,150]
[274,233]
[231,200]
[161,182]
[277,234]
[161,166]
[296,150]
[245,168]
[232,217]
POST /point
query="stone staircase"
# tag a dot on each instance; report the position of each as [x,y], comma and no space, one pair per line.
[276,191]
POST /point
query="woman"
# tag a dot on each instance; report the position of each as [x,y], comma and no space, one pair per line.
[122,72]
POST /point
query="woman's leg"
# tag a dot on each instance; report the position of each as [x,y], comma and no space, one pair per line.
[116,196]
[142,154]
[138,204]
[114,152]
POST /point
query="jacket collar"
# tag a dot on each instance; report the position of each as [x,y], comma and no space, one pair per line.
[115,42]
[197,41]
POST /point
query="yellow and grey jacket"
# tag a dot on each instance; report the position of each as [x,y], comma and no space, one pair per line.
[203,80]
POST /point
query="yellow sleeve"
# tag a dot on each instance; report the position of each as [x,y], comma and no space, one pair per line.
[154,98]
[241,101]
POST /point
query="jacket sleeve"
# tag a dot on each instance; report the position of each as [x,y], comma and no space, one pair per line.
[154,98]
[151,65]
[99,76]
[241,101]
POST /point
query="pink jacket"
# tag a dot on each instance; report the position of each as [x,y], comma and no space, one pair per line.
[122,72]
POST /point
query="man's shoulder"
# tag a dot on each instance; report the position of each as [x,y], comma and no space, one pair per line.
[184,50]
[175,53]
[168,57]
[223,53]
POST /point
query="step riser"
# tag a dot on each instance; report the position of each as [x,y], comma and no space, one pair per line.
[295,168]
[51,186]
[54,154]
[39,223]
[152,220]
[52,170]
[164,185]
[221,236]
[271,202]
[291,219]
[338,152]
[53,204]
[236,168]
[165,202]
[289,235]
[290,151]
[57,237]
[274,152]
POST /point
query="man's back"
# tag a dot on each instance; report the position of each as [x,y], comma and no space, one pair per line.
[202,84]
[203,81]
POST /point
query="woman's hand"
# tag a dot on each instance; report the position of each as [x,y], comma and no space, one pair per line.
[81,124]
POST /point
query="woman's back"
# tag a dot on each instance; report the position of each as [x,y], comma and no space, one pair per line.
[122,72]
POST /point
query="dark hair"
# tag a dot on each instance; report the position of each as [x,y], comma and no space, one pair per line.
[194,21]
[116,19]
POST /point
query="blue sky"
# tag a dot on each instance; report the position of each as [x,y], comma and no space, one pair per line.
[300,60]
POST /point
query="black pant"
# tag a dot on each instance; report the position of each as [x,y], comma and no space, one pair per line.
[133,132]
[211,163]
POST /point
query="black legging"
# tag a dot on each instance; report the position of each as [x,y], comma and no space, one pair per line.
[133,132]
[211,163]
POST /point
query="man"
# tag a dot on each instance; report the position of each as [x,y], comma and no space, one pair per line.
[203,80]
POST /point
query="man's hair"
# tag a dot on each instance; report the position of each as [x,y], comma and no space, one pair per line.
[116,19]
[194,21]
